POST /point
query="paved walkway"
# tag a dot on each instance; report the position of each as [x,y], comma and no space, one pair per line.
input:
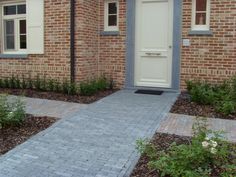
[99,141]
[182,125]
[50,108]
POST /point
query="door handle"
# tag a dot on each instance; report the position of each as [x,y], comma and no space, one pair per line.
[151,53]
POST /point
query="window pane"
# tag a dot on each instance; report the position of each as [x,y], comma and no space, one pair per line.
[22,26]
[9,10]
[112,8]
[23,44]
[9,27]
[9,34]
[112,20]
[200,18]
[10,43]
[201,5]
[21,9]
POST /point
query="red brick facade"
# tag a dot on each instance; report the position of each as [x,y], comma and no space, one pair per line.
[211,58]
[55,62]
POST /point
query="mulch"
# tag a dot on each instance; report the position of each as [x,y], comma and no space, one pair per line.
[10,137]
[183,105]
[162,142]
[58,96]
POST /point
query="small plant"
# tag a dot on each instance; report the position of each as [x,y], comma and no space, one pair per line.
[65,87]
[24,83]
[102,84]
[43,84]
[37,83]
[207,151]
[30,83]
[73,89]
[88,88]
[51,85]
[18,82]
[1,83]
[12,82]
[12,113]
[6,83]
[57,87]
[221,96]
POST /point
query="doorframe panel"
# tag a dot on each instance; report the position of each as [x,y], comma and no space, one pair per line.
[130,44]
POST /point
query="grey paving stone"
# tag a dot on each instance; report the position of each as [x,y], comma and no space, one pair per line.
[97,141]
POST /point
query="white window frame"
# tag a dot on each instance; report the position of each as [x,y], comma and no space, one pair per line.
[106,6]
[16,19]
[208,12]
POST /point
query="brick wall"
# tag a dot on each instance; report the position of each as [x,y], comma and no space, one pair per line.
[55,62]
[210,58]
[112,49]
[86,37]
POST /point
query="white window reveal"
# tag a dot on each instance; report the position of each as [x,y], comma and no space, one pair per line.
[111,16]
[201,15]
[14,28]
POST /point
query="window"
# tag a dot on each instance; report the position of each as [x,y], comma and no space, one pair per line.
[111,15]
[201,15]
[14,28]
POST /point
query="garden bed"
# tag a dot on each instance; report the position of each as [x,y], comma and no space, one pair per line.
[183,105]
[162,142]
[12,136]
[57,96]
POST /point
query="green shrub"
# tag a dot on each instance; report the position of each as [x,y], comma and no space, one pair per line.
[102,84]
[24,83]
[65,87]
[1,83]
[37,83]
[12,112]
[18,83]
[88,88]
[12,82]
[57,87]
[73,89]
[6,83]
[51,85]
[203,93]
[221,96]
[206,150]
[44,84]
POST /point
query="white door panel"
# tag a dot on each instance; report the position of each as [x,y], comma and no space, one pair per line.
[153,60]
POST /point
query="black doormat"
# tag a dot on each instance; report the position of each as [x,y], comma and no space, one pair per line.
[149,92]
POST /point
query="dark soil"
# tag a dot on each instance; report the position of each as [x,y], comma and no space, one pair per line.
[10,137]
[58,96]
[162,142]
[183,105]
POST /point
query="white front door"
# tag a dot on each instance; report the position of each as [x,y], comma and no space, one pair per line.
[153,45]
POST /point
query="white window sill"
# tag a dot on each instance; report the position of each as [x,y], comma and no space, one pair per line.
[200,33]
[14,56]
[110,33]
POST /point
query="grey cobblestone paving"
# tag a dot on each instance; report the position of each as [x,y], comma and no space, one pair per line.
[99,141]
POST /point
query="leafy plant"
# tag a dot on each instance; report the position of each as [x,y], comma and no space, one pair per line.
[205,152]
[51,85]
[57,87]
[221,96]
[30,83]
[6,83]
[24,83]
[18,82]
[1,83]
[37,83]
[12,112]
[102,84]
[88,88]
[43,84]
[12,82]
